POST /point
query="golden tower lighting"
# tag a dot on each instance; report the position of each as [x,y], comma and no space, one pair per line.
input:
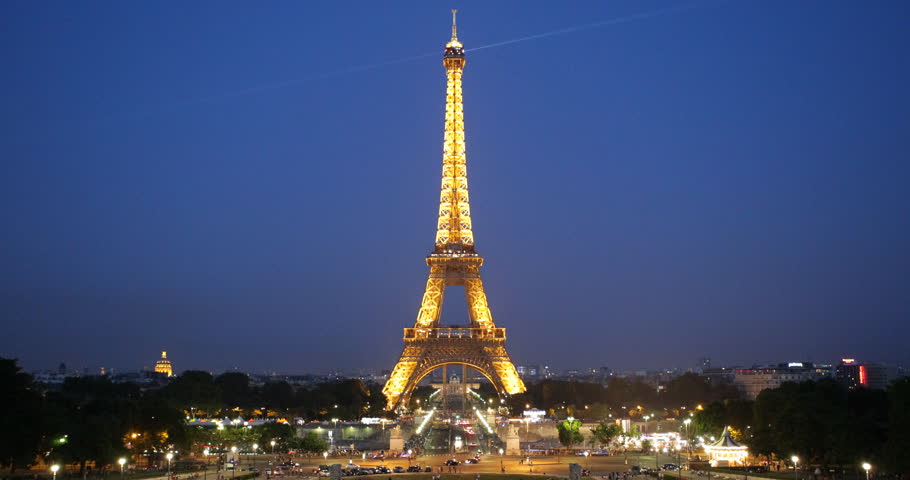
[164,365]
[453,261]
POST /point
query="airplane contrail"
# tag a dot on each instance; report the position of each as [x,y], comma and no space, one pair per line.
[588,26]
[372,66]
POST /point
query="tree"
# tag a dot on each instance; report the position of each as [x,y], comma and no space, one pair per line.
[645,445]
[603,434]
[278,395]
[281,433]
[194,389]
[569,433]
[898,443]
[310,443]
[235,390]
[21,419]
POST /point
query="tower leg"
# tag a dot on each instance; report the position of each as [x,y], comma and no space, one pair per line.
[478,308]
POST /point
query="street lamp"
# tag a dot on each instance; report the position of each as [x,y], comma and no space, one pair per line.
[325,455]
[169,457]
[795,461]
[54,469]
[255,449]
[586,458]
[234,461]
[410,452]
[273,446]
[867,467]
[122,461]
[686,422]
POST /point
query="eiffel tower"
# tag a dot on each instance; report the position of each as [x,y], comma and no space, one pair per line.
[454,261]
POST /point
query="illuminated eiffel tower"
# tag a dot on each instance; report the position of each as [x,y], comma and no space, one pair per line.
[428,346]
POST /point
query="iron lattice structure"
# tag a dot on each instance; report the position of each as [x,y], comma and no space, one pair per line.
[453,261]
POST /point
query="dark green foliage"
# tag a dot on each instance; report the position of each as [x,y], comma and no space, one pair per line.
[736,413]
[569,432]
[309,443]
[20,421]
[281,433]
[896,453]
[604,433]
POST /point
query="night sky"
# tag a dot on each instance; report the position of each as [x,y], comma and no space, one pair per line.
[255,185]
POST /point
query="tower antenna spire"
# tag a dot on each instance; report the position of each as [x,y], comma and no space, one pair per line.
[454,29]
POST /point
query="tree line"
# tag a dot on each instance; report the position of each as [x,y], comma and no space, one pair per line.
[594,401]
[93,420]
[823,423]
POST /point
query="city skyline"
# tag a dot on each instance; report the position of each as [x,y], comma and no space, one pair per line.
[653,184]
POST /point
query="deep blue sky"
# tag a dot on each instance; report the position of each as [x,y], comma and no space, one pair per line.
[228,181]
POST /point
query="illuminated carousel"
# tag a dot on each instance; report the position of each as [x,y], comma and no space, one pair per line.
[726,452]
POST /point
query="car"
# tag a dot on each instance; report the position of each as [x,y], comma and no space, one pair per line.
[414,469]
[428,469]
[670,466]
[452,463]
[398,469]
[472,460]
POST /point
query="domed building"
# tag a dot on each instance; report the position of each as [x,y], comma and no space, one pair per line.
[164,365]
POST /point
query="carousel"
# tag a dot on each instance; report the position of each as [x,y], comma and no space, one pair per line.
[726,452]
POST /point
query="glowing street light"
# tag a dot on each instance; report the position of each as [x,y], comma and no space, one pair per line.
[121,461]
[325,455]
[169,457]
[273,446]
[795,461]
[54,469]
[867,467]
[234,461]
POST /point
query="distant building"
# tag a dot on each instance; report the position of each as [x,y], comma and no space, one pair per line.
[164,365]
[854,374]
[720,375]
[751,381]
[529,371]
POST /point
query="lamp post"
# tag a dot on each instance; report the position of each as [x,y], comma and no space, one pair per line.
[122,461]
[325,456]
[234,462]
[409,456]
[273,446]
[255,451]
[686,422]
[795,461]
[587,464]
[169,457]
[54,469]
[867,467]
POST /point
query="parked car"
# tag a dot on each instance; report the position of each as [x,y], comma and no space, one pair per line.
[452,462]
[428,469]
[670,466]
[398,469]
[414,469]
